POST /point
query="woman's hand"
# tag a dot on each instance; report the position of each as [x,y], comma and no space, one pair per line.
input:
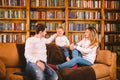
[41,65]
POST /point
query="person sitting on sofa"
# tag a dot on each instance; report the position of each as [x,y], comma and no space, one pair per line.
[84,53]
[35,54]
[63,42]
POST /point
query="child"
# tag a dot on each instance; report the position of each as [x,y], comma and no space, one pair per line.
[63,42]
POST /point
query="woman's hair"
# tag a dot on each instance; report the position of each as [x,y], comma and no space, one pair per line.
[40,27]
[93,36]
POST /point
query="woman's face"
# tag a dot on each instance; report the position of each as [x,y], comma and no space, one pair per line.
[87,32]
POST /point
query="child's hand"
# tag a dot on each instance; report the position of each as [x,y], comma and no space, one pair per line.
[72,46]
[66,46]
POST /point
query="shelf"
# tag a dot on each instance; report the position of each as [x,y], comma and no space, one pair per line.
[12,19]
[48,8]
[13,7]
[13,31]
[52,19]
[86,9]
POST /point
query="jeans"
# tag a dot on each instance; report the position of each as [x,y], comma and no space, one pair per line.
[76,59]
[36,73]
[65,50]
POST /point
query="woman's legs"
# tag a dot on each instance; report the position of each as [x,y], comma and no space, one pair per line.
[73,61]
[76,53]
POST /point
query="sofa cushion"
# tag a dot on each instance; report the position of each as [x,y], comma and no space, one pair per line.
[12,76]
[9,54]
[79,73]
[104,57]
[2,69]
[101,70]
[54,54]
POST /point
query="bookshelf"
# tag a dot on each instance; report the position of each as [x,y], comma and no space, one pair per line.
[73,15]
[13,21]
[112,24]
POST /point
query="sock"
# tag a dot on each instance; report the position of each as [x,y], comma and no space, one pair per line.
[75,66]
[53,66]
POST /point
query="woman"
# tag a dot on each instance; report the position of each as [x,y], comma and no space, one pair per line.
[84,52]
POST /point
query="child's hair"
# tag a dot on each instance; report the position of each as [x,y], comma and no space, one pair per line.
[40,27]
[60,27]
[93,37]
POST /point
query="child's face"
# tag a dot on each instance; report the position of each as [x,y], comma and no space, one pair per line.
[60,32]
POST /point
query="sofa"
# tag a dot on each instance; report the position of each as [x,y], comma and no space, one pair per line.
[12,60]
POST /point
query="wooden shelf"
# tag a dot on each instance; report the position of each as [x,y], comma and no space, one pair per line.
[98,12]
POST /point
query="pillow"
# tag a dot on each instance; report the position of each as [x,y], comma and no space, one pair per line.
[104,57]
[2,69]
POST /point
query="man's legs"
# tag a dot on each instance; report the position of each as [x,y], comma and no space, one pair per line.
[34,71]
[50,73]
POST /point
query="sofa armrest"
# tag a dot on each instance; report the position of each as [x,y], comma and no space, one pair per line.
[113,67]
[2,69]
[104,57]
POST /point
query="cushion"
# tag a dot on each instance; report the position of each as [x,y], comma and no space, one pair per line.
[54,54]
[104,57]
[78,73]
[9,54]
[12,76]
[101,70]
[2,69]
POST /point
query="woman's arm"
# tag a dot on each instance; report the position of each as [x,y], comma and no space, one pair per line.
[86,50]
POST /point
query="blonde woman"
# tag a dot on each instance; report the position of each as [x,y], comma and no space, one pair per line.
[84,52]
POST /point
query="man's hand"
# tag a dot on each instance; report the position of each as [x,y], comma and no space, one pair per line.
[41,65]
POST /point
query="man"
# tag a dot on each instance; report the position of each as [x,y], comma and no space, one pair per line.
[35,54]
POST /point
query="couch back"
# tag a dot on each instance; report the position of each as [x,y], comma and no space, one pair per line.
[104,57]
[12,54]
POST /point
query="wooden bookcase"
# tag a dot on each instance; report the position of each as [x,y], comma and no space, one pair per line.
[13,21]
[73,15]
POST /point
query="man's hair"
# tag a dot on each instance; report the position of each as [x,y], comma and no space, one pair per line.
[40,27]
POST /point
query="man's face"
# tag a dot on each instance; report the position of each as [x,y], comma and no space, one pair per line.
[43,33]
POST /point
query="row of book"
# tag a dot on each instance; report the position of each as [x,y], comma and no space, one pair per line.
[112,38]
[112,4]
[47,3]
[12,2]
[74,38]
[12,38]
[82,27]
[85,15]
[113,48]
[48,14]
[12,13]
[112,15]
[85,3]
[50,26]
[12,26]
[112,27]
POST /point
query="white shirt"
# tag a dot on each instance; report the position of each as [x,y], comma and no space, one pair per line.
[61,41]
[90,53]
[35,48]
